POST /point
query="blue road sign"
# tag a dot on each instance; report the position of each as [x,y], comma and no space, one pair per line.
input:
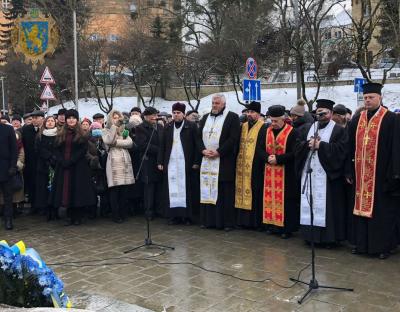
[358,84]
[251,90]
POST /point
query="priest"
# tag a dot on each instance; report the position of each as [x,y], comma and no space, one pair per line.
[321,153]
[281,194]
[249,171]
[372,162]
[179,156]
[220,133]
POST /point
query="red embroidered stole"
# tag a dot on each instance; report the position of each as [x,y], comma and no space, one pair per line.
[274,178]
[367,139]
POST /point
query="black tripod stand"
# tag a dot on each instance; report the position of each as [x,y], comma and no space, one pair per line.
[147,241]
[313,284]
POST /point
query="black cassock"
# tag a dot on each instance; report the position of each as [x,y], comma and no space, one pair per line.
[292,192]
[190,145]
[332,157]
[223,213]
[378,234]
[253,218]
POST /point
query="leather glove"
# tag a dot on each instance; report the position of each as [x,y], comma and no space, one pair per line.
[12,171]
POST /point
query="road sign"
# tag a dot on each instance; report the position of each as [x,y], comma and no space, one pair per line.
[47,77]
[251,68]
[251,90]
[358,84]
[47,94]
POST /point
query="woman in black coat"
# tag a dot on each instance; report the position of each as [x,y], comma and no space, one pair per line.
[46,162]
[72,185]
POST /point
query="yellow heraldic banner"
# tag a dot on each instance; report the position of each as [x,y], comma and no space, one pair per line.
[244,165]
[35,36]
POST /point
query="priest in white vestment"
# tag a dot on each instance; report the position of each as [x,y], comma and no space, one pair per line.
[178,159]
[220,135]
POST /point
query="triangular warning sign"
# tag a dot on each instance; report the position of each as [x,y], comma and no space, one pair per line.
[47,93]
[47,77]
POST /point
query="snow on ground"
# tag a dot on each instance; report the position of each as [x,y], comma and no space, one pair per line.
[287,97]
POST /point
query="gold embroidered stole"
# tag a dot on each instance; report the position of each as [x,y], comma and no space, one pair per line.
[366,153]
[274,179]
[244,165]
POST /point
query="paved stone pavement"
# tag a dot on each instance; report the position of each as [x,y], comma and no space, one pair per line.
[184,288]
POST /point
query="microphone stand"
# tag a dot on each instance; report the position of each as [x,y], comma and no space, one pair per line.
[313,284]
[147,241]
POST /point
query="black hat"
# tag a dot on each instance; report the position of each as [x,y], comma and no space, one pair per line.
[349,111]
[179,107]
[16,117]
[276,111]
[27,115]
[61,111]
[340,109]
[72,113]
[150,111]
[98,116]
[136,109]
[324,103]
[191,112]
[37,113]
[254,106]
[245,110]
[372,87]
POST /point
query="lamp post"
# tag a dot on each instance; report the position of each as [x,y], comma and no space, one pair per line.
[75,56]
[297,39]
[2,92]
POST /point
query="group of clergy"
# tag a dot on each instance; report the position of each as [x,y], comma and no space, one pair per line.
[332,182]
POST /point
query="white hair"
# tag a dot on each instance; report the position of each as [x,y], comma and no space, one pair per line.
[219,96]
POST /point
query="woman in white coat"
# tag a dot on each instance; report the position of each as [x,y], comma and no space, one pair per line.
[119,166]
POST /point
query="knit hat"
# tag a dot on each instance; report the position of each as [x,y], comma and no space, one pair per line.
[72,113]
[298,110]
[95,125]
[87,120]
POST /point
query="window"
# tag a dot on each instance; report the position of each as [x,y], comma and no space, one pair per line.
[328,35]
[5,4]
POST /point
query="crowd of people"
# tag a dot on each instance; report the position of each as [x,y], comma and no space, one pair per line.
[224,171]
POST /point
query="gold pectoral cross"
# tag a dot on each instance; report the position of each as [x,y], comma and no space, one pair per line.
[366,140]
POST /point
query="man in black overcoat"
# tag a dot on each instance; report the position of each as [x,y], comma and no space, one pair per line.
[8,169]
[148,137]
[29,134]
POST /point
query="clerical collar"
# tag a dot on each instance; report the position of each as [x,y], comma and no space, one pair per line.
[218,114]
[178,124]
[371,113]
[277,131]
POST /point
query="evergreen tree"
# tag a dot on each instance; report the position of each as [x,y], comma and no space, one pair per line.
[157,28]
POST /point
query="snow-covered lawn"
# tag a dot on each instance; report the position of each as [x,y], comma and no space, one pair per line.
[287,97]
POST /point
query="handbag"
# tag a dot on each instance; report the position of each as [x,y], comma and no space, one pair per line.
[17,182]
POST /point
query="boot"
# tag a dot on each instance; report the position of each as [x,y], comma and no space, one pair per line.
[8,224]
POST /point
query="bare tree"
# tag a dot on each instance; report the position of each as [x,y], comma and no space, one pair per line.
[105,73]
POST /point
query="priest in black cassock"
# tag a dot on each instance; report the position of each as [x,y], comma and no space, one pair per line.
[250,171]
[281,194]
[178,157]
[372,163]
[329,142]
[220,133]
